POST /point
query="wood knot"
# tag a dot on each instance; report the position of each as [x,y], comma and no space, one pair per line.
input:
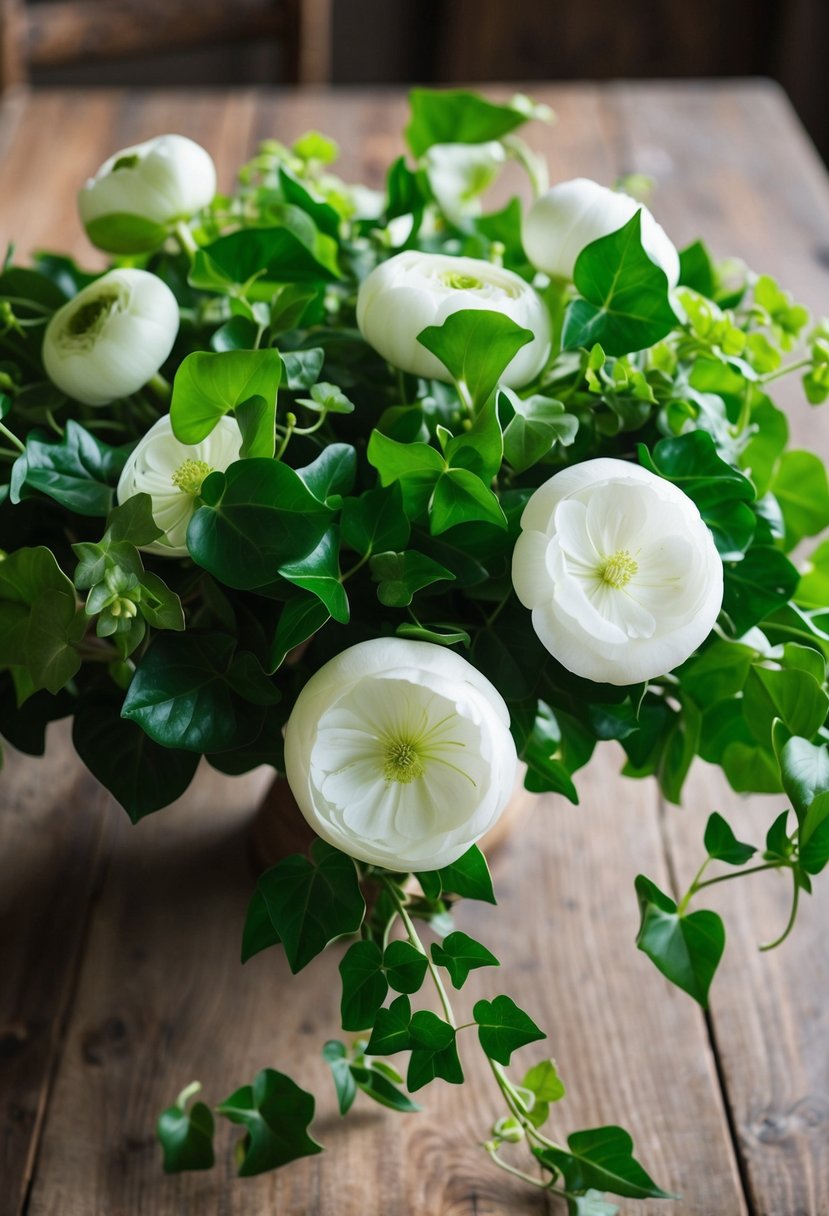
[110,1040]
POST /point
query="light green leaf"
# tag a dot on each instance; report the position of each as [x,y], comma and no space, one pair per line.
[207,386]
[476,346]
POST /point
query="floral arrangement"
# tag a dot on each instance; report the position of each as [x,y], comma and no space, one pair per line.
[395,494]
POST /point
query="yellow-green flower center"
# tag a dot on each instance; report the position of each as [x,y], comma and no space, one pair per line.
[189,476]
[618,570]
[461,282]
[88,319]
[403,762]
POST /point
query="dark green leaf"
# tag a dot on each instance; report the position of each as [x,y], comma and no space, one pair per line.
[294,252]
[299,620]
[686,949]
[186,1135]
[302,367]
[461,497]
[141,774]
[184,694]
[364,985]
[80,472]
[625,305]
[405,966]
[537,425]
[476,346]
[723,845]
[375,522]
[434,1052]
[132,522]
[503,1027]
[319,573]
[601,1158]
[333,471]
[311,903]
[258,933]
[402,575]
[460,954]
[391,1029]
[696,270]
[467,877]
[336,1058]
[762,581]
[805,770]
[277,1114]
[256,516]
[39,621]
[801,489]
[380,1089]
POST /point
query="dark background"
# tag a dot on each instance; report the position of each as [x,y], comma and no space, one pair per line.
[451,41]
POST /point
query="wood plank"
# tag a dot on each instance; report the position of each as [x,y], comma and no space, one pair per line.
[761,193]
[161,997]
[54,834]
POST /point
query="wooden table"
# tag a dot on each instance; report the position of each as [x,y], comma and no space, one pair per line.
[120,978]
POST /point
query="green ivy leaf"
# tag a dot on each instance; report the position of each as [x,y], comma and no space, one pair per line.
[293,252]
[546,1086]
[256,516]
[132,523]
[794,696]
[503,1027]
[332,473]
[258,933]
[800,487]
[461,497]
[696,269]
[312,902]
[591,1203]
[476,346]
[380,1089]
[401,575]
[480,449]
[805,770]
[468,877]
[336,1057]
[434,1052]
[460,954]
[722,845]
[186,1135]
[375,522]
[763,580]
[537,425]
[184,694]
[299,620]
[601,1159]
[686,949]
[391,1029]
[79,472]
[39,621]
[319,573]
[208,386]
[625,305]
[457,116]
[405,966]
[140,774]
[364,985]
[277,1114]
[813,837]
[302,367]
[716,674]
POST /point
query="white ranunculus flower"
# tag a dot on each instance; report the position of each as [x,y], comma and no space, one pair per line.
[172,473]
[621,573]
[141,192]
[413,290]
[399,754]
[112,337]
[574,214]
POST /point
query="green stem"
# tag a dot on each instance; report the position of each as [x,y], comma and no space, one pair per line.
[53,423]
[466,397]
[161,387]
[778,941]
[694,887]
[290,425]
[712,882]
[784,371]
[186,240]
[413,937]
[4,430]
[516,1173]
[353,569]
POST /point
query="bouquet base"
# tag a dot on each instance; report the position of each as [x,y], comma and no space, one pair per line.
[279,828]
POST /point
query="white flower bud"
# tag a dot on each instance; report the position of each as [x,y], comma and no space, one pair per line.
[459,173]
[141,192]
[399,754]
[573,214]
[413,290]
[112,337]
[172,473]
[619,569]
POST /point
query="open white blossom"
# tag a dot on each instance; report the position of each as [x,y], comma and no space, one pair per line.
[619,569]
[112,337]
[399,754]
[573,214]
[141,192]
[413,290]
[172,473]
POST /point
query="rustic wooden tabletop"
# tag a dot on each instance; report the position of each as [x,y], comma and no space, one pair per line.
[119,972]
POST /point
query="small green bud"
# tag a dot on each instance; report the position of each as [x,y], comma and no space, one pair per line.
[509,1129]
